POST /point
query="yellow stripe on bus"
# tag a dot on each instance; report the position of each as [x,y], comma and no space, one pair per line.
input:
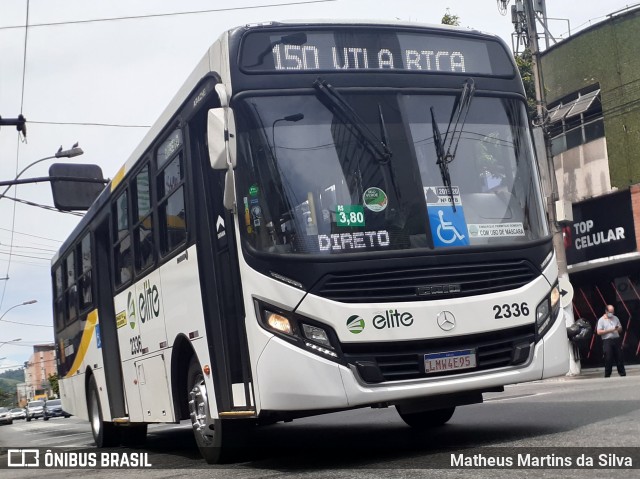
[87,334]
[118,178]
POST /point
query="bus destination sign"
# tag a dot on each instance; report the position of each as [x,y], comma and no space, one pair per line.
[370,49]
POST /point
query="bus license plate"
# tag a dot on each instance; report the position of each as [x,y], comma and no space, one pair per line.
[449,361]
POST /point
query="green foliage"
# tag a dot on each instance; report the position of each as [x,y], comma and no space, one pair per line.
[8,392]
[525,66]
[450,19]
[53,382]
[16,374]
[8,381]
[7,399]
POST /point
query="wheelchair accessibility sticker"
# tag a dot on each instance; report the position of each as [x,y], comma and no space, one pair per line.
[448,227]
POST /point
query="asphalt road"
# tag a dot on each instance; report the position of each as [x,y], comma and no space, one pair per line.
[585,413]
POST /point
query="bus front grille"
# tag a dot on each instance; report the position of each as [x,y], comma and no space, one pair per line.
[398,361]
[423,283]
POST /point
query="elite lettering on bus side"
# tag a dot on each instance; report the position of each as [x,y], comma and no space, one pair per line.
[149,302]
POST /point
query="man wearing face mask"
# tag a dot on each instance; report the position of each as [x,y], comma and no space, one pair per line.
[609,328]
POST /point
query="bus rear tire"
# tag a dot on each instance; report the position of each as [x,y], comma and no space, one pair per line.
[104,433]
[427,419]
[219,440]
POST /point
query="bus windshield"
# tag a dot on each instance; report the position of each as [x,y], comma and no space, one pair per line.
[314,181]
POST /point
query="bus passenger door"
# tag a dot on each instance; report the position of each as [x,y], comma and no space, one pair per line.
[220,275]
[107,318]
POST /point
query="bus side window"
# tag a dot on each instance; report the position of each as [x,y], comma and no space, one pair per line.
[72,288]
[143,221]
[122,255]
[59,299]
[84,280]
[170,188]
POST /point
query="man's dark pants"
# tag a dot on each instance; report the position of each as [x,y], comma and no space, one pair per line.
[612,352]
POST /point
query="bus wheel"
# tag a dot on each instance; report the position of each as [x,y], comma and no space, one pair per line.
[219,440]
[427,419]
[104,433]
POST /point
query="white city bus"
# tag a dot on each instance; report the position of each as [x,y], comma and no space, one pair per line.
[326,216]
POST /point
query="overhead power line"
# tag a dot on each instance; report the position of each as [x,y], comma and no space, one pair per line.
[173,14]
[44,207]
[32,236]
[13,214]
[28,324]
[112,125]
[30,247]
[24,256]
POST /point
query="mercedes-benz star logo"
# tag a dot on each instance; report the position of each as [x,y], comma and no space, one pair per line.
[446,320]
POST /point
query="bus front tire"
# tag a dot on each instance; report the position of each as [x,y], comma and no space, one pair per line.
[219,440]
[104,433]
[427,419]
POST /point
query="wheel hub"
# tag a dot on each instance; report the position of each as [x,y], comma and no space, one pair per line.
[198,409]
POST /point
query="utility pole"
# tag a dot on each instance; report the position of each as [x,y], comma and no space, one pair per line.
[524,17]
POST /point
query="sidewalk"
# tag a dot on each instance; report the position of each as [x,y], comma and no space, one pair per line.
[591,373]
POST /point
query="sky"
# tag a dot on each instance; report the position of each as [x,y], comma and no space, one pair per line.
[103,82]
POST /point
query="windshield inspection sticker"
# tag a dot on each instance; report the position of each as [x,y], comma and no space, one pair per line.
[375,199]
[439,195]
[349,215]
[448,227]
[493,230]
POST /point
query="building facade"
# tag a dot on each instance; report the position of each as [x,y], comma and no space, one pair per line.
[41,364]
[592,86]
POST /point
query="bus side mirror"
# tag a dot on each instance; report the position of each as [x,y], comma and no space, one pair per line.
[75,186]
[221,138]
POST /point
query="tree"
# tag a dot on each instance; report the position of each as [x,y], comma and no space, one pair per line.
[53,382]
[525,66]
[450,19]
[6,399]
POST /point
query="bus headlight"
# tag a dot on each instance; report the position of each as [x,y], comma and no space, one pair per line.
[298,330]
[278,323]
[317,335]
[547,311]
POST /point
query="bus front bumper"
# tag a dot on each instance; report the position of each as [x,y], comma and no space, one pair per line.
[292,379]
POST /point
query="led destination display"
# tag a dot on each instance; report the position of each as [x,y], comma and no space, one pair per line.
[371,49]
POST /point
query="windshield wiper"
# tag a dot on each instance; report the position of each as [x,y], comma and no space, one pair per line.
[340,108]
[442,162]
[458,118]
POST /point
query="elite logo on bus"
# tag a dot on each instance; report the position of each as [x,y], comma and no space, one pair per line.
[355,324]
[149,302]
[392,319]
[131,309]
